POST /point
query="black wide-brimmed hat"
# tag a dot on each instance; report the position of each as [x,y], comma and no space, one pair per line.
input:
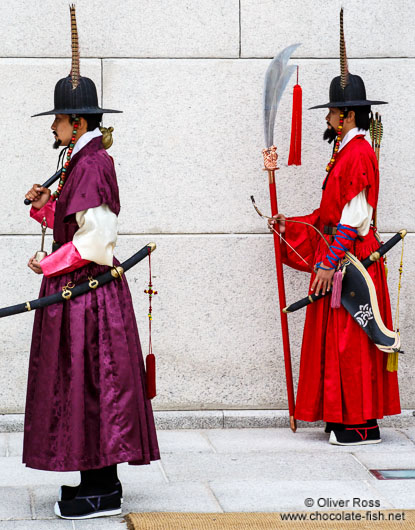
[75,94]
[347,90]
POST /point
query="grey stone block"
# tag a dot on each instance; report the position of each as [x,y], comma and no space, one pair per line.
[103,523]
[11,422]
[237,419]
[234,419]
[14,504]
[289,495]
[37,525]
[147,475]
[221,328]
[106,523]
[188,419]
[14,444]
[13,474]
[274,24]
[262,466]
[183,441]
[3,444]
[124,29]
[399,493]
[381,459]
[406,419]
[409,432]
[178,497]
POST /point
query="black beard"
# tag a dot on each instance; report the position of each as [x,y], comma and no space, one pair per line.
[56,144]
[330,135]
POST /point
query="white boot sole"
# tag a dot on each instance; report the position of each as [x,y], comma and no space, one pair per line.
[94,515]
[333,441]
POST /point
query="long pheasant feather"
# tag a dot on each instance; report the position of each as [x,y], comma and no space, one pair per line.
[75,49]
[344,69]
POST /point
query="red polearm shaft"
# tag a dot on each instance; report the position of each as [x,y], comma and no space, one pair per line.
[282,303]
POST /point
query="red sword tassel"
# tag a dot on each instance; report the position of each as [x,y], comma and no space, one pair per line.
[150,358]
[270,161]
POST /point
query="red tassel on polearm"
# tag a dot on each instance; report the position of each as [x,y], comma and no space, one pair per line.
[296,123]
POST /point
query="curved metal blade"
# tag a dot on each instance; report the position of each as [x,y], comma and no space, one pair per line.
[276,79]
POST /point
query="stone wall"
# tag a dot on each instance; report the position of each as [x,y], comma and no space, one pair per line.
[188,76]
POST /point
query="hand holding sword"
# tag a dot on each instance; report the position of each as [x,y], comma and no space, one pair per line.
[38,196]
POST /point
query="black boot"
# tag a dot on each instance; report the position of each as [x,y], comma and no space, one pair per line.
[330,426]
[67,493]
[362,434]
[98,495]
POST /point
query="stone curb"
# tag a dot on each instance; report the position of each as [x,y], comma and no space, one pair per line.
[222,419]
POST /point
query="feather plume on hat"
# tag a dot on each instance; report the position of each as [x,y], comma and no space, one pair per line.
[75,71]
[344,68]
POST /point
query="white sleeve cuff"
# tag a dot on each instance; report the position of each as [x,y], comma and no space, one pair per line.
[97,234]
[358,214]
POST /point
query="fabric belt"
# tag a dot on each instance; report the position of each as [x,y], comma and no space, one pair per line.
[56,246]
[330,230]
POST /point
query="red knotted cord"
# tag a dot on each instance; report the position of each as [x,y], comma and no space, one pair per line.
[150,359]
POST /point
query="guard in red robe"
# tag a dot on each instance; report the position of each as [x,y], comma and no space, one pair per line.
[343,377]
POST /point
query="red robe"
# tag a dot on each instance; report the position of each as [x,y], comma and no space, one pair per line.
[343,375]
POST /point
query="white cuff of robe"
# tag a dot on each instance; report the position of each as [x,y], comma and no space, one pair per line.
[358,214]
[97,235]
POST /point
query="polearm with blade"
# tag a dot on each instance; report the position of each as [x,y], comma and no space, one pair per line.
[276,79]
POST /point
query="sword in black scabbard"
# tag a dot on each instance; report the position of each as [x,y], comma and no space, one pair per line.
[71,291]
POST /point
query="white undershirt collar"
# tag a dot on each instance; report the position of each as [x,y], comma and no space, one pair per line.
[350,135]
[84,139]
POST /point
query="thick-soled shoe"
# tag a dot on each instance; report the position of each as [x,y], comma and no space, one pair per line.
[67,493]
[356,436]
[89,507]
[330,426]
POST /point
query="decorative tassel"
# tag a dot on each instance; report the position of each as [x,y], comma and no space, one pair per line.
[296,124]
[392,364]
[336,293]
[150,359]
[151,375]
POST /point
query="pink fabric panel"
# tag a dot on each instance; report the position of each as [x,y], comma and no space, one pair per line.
[65,259]
[47,211]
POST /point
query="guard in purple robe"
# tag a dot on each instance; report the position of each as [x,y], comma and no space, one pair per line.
[86,406]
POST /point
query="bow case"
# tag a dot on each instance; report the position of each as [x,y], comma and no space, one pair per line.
[359,298]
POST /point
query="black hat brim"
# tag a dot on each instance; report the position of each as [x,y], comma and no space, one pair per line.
[88,110]
[341,104]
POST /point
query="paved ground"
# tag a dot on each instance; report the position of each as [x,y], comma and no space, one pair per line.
[215,470]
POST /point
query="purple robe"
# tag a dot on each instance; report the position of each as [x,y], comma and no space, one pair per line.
[86,404]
